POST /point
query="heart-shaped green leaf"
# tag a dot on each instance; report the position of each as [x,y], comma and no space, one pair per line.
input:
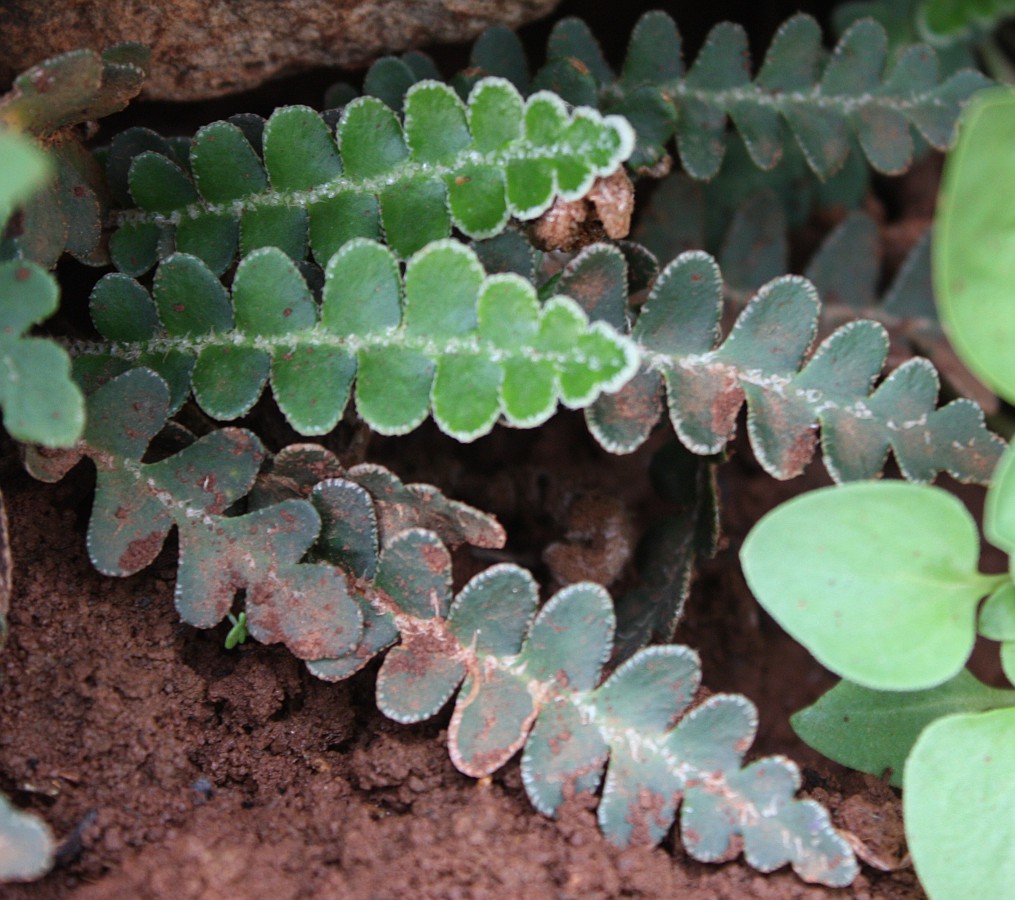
[879,581]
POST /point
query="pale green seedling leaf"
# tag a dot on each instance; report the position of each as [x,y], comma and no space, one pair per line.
[999,509]
[27,847]
[997,615]
[879,581]
[25,170]
[958,796]
[974,242]
[41,404]
[874,731]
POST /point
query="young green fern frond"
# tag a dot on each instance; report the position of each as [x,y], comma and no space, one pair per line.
[471,165]
[826,103]
[446,339]
[470,349]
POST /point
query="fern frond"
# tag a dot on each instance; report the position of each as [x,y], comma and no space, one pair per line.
[523,678]
[471,165]
[306,606]
[446,339]
[470,348]
[297,469]
[74,87]
[846,269]
[789,396]
[533,682]
[305,499]
[826,102]
[67,214]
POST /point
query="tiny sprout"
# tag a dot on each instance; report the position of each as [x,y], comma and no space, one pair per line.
[238,633]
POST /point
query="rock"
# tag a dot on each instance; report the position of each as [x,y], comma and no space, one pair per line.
[206,48]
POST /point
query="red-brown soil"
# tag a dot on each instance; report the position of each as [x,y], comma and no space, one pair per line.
[168,766]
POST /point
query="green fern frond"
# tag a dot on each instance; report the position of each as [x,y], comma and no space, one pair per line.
[825,102]
[306,606]
[534,682]
[846,268]
[446,339]
[523,678]
[67,213]
[789,396]
[471,165]
[306,500]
